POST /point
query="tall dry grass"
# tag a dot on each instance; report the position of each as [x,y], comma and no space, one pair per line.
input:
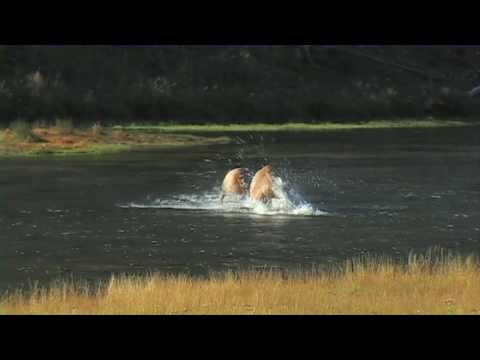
[427,284]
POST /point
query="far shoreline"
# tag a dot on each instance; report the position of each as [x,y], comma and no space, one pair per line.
[176,127]
[63,139]
[23,140]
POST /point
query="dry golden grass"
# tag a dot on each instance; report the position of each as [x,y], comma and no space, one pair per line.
[63,139]
[450,285]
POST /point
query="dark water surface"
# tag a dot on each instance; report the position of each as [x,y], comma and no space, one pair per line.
[383,191]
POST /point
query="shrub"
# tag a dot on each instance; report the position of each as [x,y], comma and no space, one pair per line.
[23,131]
[40,124]
[64,126]
[97,129]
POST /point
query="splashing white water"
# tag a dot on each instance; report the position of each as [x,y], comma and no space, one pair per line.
[282,205]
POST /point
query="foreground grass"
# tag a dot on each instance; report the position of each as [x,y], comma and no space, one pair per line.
[370,286]
[61,141]
[258,127]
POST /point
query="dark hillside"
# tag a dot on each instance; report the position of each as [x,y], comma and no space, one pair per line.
[237,83]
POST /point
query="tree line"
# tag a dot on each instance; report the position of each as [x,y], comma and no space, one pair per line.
[240,84]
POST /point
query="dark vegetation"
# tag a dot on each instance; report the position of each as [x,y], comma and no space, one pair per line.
[241,84]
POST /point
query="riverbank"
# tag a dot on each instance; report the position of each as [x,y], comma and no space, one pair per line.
[93,141]
[326,126]
[63,139]
[450,285]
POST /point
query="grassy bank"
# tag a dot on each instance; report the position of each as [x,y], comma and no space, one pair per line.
[22,139]
[327,126]
[364,286]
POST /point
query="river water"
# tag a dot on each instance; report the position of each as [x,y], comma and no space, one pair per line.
[345,194]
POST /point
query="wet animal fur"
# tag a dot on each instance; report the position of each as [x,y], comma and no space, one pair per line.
[234,183]
[261,187]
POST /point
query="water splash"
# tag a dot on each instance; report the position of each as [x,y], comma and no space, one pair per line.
[286,203]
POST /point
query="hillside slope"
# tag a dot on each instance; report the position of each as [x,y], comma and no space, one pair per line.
[237,83]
